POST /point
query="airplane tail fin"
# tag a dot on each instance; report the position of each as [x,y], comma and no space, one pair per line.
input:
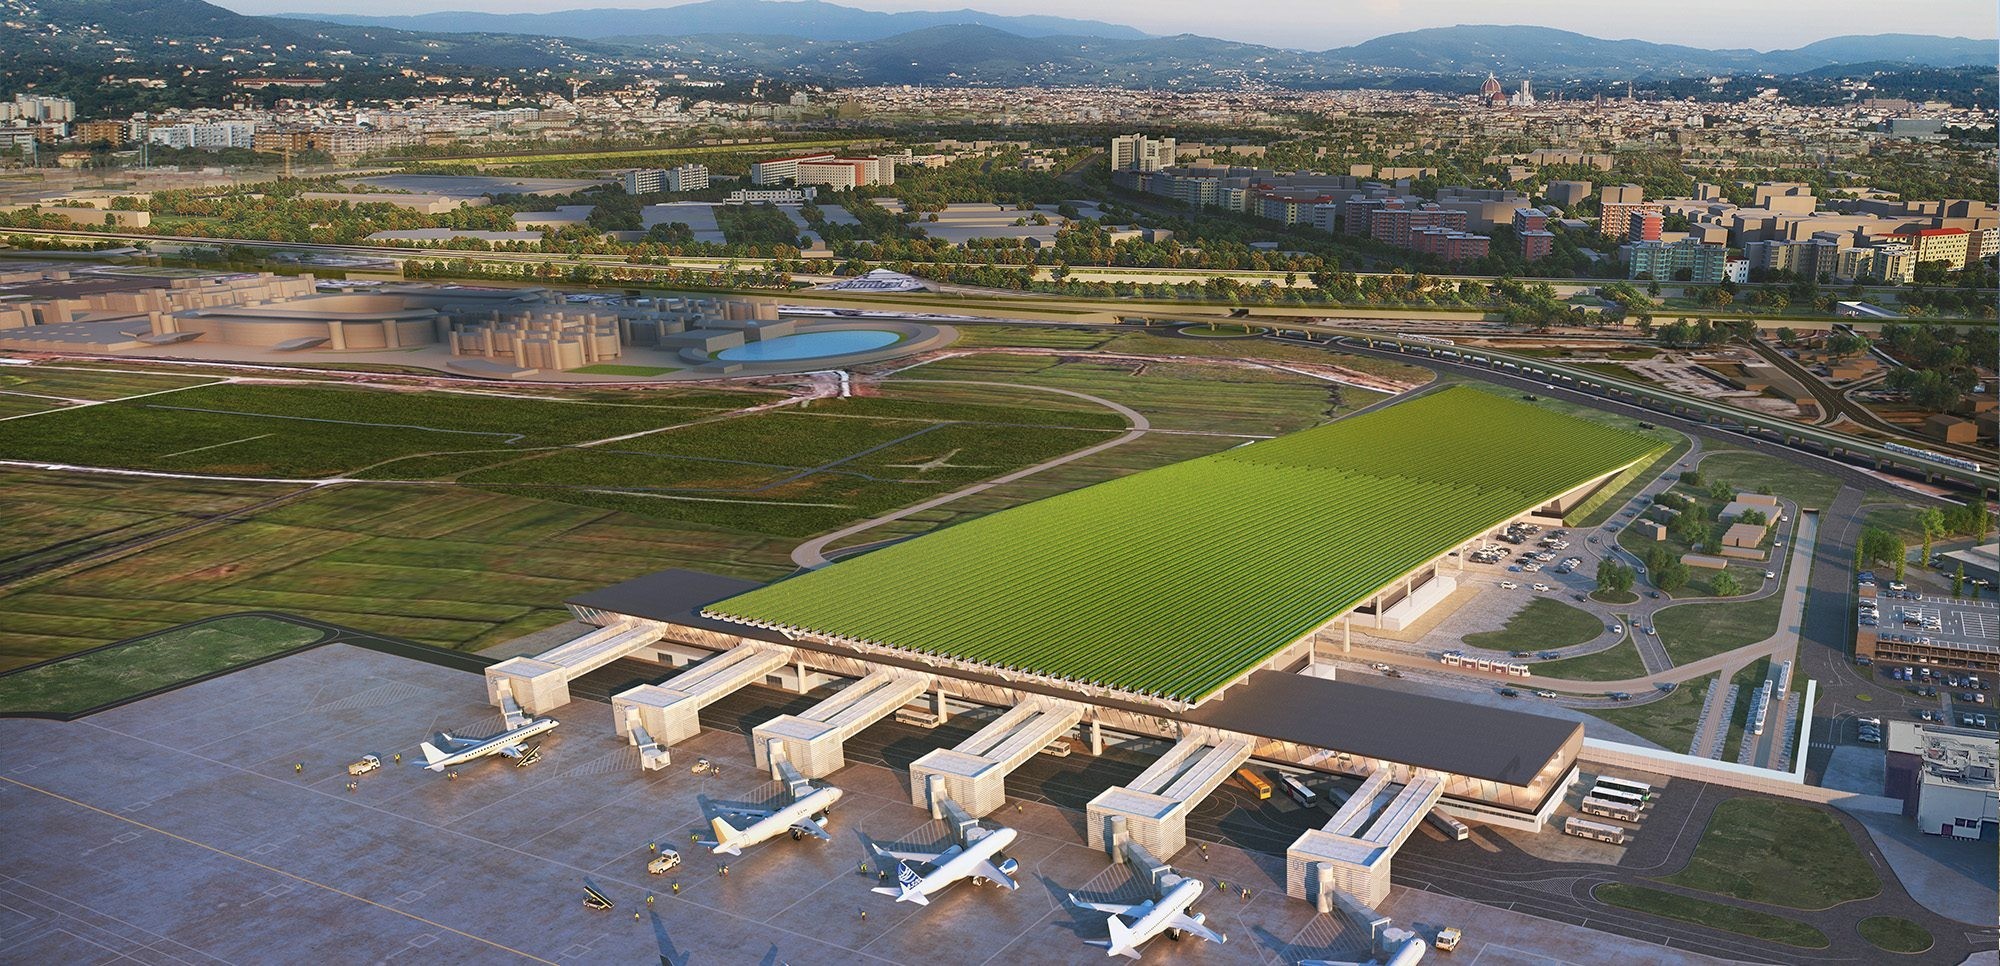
[728,841]
[1121,939]
[431,753]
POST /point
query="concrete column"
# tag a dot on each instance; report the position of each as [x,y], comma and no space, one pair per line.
[392,337]
[336,339]
[939,707]
[800,681]
[1096,737]
[1347,634]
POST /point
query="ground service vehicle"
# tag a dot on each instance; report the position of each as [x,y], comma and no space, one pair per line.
[1448,938]
[667,859]
[367,764]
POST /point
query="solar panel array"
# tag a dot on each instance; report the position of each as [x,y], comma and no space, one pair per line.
[1175,581]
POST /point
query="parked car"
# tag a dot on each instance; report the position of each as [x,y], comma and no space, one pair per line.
[1542,588]
[1509,585]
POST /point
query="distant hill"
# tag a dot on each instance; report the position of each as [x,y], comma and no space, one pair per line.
[806,19]
[1904,49]
[1547,51]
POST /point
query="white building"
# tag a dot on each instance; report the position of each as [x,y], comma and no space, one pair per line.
[774,196]
[687,177]
[824,169]
[209,134]
[1137,152]
[1950,772]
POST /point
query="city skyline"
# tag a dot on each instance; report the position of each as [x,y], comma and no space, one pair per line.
[1297,24]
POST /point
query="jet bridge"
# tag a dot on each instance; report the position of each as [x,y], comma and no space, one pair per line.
[1152,811]
[1351,854]
[974,774]
[814,741]
[541,683]
[657,716]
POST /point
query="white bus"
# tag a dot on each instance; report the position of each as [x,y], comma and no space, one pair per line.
[1586,829]
[1630,787]
[1614,795]
[1298,790]
[1609,809]
[1451,827]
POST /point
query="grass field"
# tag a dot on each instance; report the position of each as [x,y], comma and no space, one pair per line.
[1780,853]
[89,680]
[1545,624]
[1713,915]
[94,385]
[1615,664]
[1087,584]
[1669,722]
[54,519]
[1694,631]
[1894,934]
[16,404]
[1744,470]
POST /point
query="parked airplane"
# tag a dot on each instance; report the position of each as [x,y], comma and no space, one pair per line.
[977,858]
[1166,914]
[513,743]
[806,815]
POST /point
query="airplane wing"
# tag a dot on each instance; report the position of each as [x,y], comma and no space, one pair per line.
[750,813]
[990,872]
[813,828]
[929,858]
[514,751]
[1114,908]
[1188,924]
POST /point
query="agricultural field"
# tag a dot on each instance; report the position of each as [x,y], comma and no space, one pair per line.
[1085,585]
[308,431]
[453,567]
[150,663]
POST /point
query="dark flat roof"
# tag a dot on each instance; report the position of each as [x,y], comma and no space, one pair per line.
[1474,740]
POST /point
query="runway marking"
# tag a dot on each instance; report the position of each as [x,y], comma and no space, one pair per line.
[274,870]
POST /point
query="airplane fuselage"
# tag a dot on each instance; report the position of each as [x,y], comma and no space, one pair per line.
[968,861]
[494,745]
[781,821]
[1160,918]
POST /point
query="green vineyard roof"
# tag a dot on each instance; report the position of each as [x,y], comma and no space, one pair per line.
[1176,581]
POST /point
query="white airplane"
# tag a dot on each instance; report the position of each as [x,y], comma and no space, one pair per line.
[513,743]
[806,815]
[975,859]
[1167,914]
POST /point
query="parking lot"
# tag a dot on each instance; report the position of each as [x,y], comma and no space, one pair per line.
[216,821]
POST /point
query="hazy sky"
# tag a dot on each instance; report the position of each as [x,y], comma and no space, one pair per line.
[1762,24]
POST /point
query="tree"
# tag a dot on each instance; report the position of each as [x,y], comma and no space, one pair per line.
[1671,577]
[1614,577]
[1932,522]
[1958,582]
[1902,560]
[1657,558]
[1725,585]
[1879,546]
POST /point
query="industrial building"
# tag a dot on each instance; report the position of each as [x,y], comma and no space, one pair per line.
[1945,777]
[1081,614]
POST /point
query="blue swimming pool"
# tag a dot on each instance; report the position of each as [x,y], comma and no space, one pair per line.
[810,345]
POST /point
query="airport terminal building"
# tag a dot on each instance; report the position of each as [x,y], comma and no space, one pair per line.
[1180,603]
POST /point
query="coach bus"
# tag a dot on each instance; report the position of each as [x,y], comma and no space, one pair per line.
[1586,829]
[1298,790]
[1258,786]
[1626,785]
[1608,809]
[1614,795]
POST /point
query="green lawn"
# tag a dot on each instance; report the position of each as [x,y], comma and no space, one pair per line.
[1780,853]
[1615,664]
[1754,472]
[1894,934]
[1713,915]
[1694,631]
[1220,330]
[92,384]
[15,404]
[149,663]
[1669,722]
[1544,625]
[1074,337]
